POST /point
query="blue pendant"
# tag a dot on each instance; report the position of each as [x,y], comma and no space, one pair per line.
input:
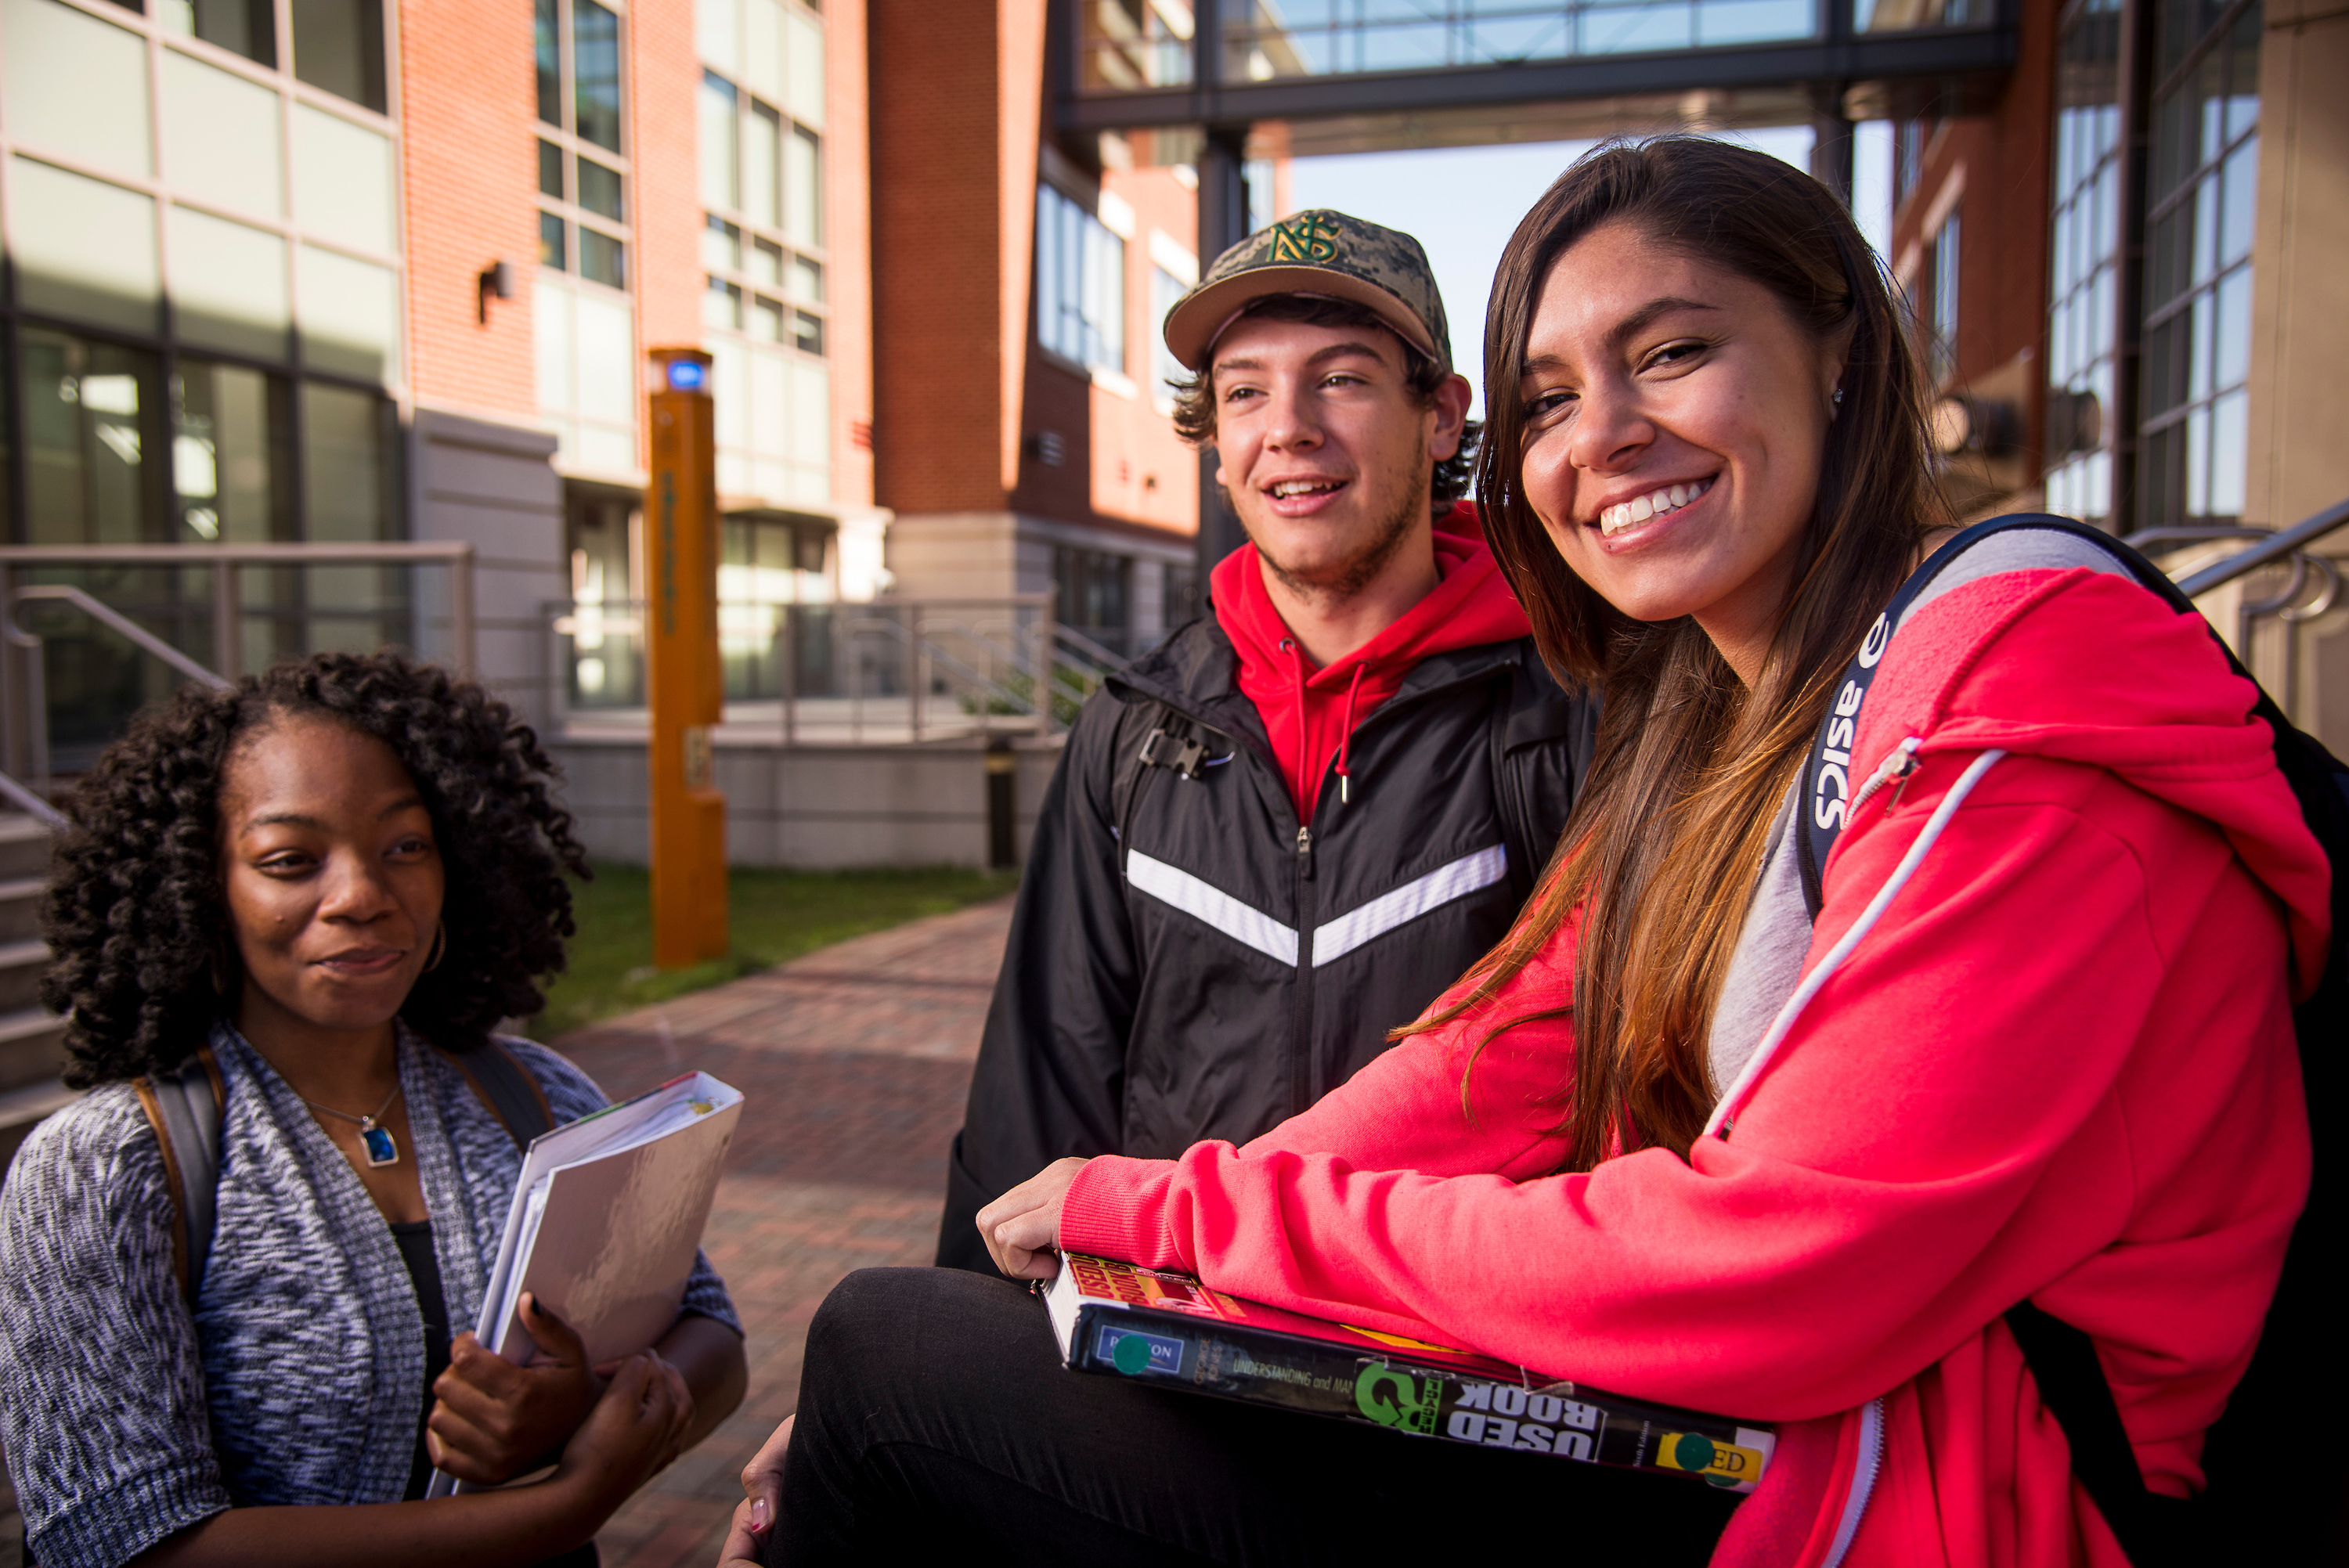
[380,1148]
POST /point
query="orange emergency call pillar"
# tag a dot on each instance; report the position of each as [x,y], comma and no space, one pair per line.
[686,681]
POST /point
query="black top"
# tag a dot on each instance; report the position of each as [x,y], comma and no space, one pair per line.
[1189,960]
[414,1240]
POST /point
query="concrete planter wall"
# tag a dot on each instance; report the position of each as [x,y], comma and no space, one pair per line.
[819,808]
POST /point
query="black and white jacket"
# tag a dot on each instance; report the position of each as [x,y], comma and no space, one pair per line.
[1188,961]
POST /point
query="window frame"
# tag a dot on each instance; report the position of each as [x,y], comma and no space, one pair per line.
[567,207]
[164,341]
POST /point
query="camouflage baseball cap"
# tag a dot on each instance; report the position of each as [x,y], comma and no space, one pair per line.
[1317,253]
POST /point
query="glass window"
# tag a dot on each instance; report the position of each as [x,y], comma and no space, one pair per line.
[348,312]
[220,137]
[550,170]
[721,305]
[351,491]
[547,37]
[595,73]
[721,140]
[343,184]
[2083,416]
[599,190]
[602,258]
[717,32]
[767,319]
[807,278]
[550,252]
[247,27]
[807,333]
[1080,283]
[75,83]
[811,416]
[83,248]
[229,444]
[607,363]
[2205,164]
[721,245]
[804,188]
[338,48]
[766,261]
[805,50]
[228,284]
[762,47]
[1165,288]
[349,464]
[1092,594]
[91,418]
[763,151]
[1944,346]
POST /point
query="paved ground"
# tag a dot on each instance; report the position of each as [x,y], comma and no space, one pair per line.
[854,1062]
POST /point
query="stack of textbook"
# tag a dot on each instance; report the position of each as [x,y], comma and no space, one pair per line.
[607,1216]
[1132,1322]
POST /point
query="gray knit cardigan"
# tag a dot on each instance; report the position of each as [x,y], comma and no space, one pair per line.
[299,1378]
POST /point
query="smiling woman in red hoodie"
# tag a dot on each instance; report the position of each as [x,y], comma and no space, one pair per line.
[1675,1137]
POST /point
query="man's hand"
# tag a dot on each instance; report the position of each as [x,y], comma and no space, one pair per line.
[763,1501]
[494,1420]
[1025,1223]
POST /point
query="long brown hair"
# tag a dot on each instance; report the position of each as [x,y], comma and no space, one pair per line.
[1663,845]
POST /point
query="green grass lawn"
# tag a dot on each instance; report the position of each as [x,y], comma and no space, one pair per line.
[777,915]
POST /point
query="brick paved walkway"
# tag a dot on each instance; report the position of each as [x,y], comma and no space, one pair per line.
[854,1062]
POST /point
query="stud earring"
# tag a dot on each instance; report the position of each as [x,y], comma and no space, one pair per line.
[1838,397]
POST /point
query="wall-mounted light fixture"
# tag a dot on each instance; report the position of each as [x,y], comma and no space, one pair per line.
[496,283]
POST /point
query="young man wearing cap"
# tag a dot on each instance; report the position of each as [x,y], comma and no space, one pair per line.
[1283,831]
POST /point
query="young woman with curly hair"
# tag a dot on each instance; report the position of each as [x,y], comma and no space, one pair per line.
[337,878]
[1723,1122]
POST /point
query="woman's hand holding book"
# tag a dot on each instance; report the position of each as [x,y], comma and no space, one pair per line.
[1024,1225]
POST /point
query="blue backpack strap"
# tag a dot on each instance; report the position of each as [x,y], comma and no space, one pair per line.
[183,1106]
[508,1090]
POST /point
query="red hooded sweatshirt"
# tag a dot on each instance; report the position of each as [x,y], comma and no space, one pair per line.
[2058,1064]
[1310,712]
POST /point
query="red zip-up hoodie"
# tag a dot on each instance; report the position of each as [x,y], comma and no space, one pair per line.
[1310,712]
[2060,1066]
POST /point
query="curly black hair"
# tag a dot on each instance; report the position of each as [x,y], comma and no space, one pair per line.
[134,915]
[1194,401]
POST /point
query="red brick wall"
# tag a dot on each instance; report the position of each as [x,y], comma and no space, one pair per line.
[938,288]
[466,97]
[1019,131]
[665,83]
[848,239]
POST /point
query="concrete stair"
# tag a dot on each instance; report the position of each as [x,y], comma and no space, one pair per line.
[32,1038]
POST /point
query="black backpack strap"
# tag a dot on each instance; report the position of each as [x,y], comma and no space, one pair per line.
[508,1090]
[1533,716]
[183,1106]
[2154,1530]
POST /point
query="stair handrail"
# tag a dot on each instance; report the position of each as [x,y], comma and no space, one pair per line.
[114,621]
[32,806]
[2274,547]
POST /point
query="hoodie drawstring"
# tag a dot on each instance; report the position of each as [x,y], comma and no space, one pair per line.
[1345,737]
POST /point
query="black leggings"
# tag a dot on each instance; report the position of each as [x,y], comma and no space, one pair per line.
[935,1414]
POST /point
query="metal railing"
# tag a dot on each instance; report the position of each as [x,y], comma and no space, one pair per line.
[24,696]
[2287,547]
[879,672]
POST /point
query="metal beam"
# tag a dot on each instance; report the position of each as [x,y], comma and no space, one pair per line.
[1223,223]
[1860,58]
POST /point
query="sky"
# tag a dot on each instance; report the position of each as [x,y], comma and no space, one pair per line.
[1462,203]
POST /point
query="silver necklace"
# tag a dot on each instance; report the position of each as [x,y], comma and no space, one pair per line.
[380,1148]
